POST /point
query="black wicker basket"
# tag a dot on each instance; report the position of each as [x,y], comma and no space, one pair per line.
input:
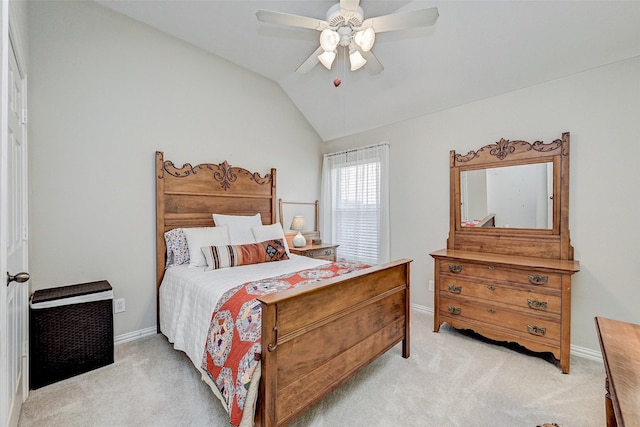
[71,331]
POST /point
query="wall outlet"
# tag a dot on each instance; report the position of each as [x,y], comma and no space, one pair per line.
[118,305]
[431,285]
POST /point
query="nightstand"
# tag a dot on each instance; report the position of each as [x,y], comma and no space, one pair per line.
[323,251]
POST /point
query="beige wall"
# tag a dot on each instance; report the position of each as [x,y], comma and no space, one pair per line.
[106,93]
[601,109]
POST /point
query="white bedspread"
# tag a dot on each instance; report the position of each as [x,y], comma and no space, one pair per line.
[188,296]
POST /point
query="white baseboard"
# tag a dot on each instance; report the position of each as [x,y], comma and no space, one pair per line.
[585,353]
[422,308]
[131,336]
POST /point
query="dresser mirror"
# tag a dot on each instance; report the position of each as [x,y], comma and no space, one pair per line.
[519,196]
[509,190]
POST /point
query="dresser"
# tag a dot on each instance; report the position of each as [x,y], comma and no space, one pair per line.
[506,298]
[509,279]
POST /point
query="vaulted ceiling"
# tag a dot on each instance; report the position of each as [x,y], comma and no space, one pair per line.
[476,49]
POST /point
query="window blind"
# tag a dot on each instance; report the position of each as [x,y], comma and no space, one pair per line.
[355,204]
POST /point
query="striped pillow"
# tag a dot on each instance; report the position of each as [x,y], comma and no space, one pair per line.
[252,253]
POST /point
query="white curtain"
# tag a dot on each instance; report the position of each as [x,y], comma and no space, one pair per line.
[355,203]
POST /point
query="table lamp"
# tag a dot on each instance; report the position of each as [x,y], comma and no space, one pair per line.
[297,224]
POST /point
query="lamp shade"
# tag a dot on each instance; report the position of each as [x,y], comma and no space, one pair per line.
[329,40]
[365,39]
[326,59]
[297,224]
[356,59]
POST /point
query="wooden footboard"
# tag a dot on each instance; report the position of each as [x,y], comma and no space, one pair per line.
[314,339]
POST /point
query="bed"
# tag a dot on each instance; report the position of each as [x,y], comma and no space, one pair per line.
[314,337]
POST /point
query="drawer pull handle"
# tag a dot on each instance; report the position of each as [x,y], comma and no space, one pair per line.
[454,289]
[492,267]
[491,288]
[536,330]
[537,305]
[328,252]
[537,280]
[454,310]
[455,268]
[490,310]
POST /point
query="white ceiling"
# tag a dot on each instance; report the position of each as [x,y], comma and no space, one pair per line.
[476,49]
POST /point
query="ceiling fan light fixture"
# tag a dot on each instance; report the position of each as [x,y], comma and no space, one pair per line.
[345,27]
[327,58]
[365,39]
[329,39]
[356,59]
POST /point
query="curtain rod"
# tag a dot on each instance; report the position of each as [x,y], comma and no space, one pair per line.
[358,149]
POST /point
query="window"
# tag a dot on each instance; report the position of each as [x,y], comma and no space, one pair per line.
[355,203]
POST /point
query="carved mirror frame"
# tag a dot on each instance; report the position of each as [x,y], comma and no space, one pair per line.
[544,243]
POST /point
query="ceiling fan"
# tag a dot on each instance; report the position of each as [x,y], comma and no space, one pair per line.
[346,27]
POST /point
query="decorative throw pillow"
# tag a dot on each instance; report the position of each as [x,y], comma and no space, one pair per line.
[198,237]
[177,248]
[239,227]
[252,253]
[269,232]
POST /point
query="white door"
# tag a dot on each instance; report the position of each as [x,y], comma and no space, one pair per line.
[13,235]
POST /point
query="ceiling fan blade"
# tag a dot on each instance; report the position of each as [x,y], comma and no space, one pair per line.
[403,20]
[310,62]
[373,66]
[349,4]
[281,18]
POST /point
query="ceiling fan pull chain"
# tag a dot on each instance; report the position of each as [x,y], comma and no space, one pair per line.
[337,81]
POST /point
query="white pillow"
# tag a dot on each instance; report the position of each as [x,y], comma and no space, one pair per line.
[204,236]
[239,227]
[270,232]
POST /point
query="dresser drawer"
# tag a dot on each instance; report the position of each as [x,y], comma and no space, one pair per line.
[489,271]
[327,254]
[526,325]
[520,299]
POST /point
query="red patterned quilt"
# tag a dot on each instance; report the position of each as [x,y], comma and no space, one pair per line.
[233,346]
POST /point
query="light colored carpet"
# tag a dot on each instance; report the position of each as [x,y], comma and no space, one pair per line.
[451,379]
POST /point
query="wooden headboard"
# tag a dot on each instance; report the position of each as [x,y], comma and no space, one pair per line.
[188,196]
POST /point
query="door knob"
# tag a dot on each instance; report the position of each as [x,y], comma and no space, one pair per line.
[19,278]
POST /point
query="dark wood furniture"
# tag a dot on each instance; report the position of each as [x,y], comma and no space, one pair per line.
[315,337]
[620,345]
[510,284]
[322,251]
